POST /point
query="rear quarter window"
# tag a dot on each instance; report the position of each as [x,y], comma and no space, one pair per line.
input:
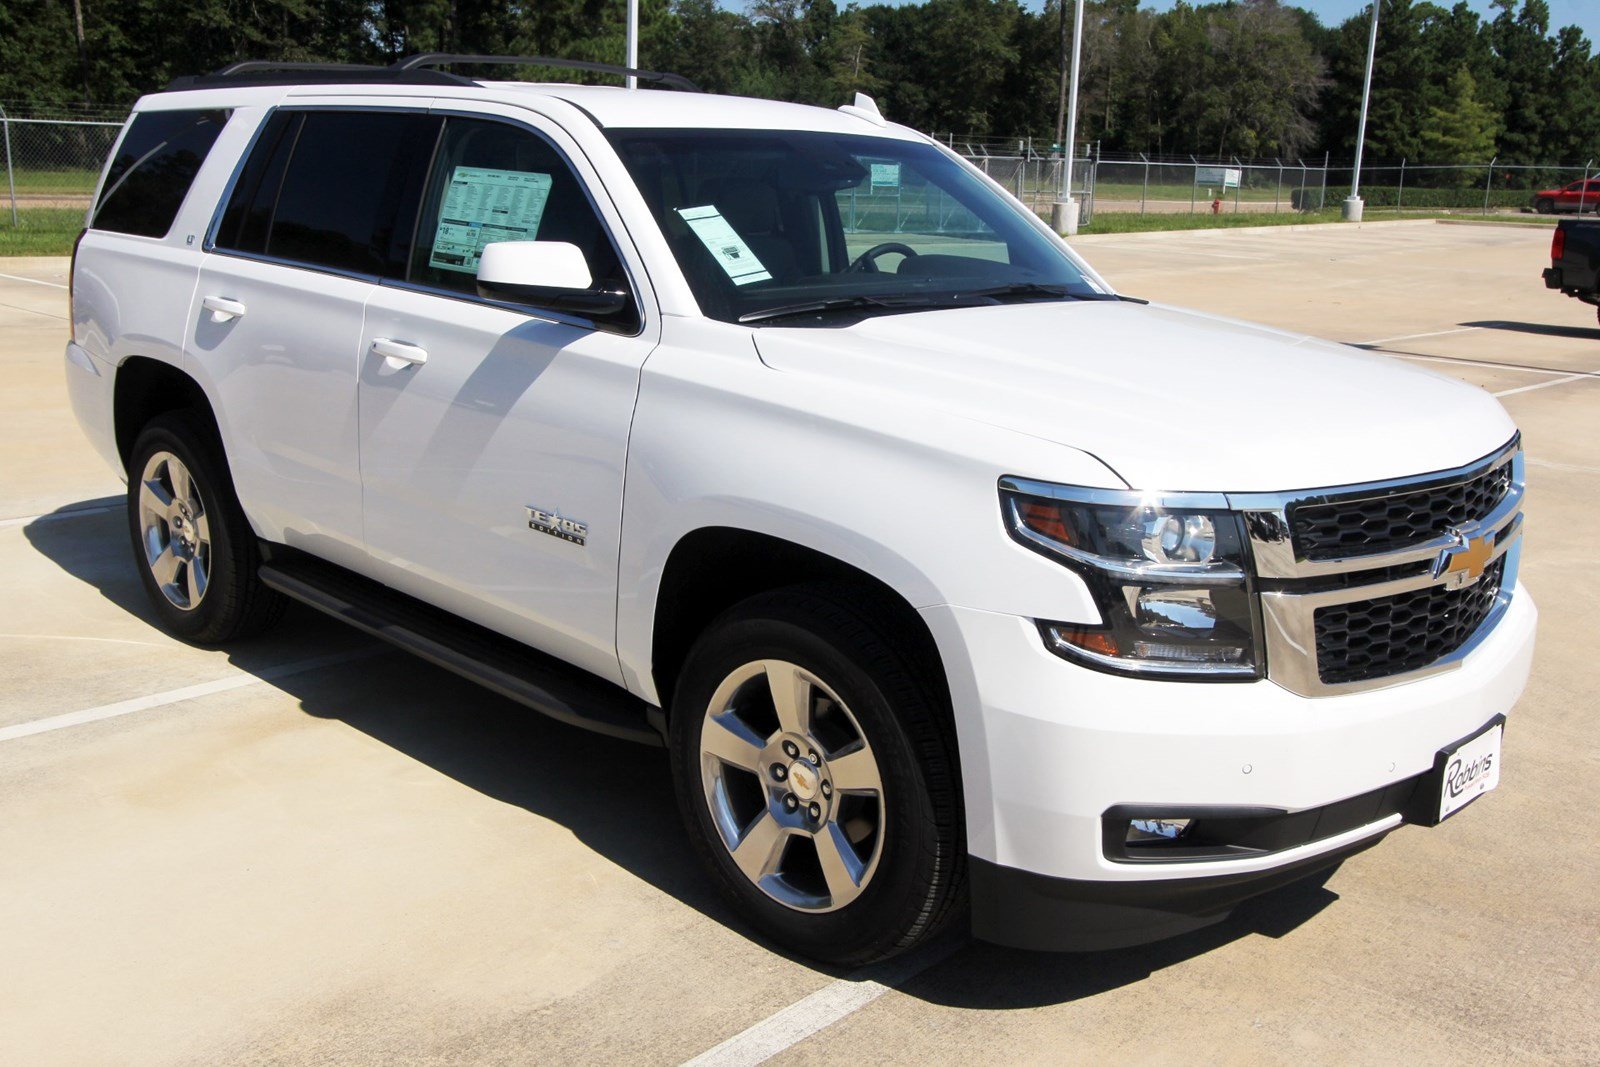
[154,166]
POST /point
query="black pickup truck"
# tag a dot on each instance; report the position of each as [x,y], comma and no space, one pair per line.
[1575,260]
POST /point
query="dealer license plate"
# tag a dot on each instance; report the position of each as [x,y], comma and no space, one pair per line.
[1470,771]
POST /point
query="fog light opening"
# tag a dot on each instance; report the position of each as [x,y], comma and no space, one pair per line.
[1157,831]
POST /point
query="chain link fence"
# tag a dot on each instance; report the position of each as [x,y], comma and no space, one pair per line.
[53,163]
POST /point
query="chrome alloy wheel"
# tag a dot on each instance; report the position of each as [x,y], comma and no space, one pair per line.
[792,786]
[174,530]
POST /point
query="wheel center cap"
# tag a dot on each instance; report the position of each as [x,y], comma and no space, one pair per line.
[804,780]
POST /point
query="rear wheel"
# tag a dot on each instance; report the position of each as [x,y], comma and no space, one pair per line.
[196,554]
[816,777]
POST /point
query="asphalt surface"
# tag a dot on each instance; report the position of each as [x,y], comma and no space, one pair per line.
[312,849]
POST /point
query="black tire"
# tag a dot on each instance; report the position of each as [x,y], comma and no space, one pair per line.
[837,634]
[1544,206]
[234,604]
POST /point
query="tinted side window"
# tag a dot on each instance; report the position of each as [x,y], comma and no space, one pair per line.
[244,223]
[153,169]
[349,192]
[495,182]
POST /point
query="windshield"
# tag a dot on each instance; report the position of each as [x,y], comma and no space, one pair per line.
[788,227]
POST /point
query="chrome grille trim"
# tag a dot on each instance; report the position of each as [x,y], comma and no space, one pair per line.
[1288,613]
[1271,537]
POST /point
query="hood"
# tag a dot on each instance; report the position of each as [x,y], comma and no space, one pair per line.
[1169,399]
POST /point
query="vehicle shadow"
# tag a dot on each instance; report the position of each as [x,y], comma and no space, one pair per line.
[614,796]
[1543,329]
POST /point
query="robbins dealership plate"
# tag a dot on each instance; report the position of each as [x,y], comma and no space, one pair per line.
[1470,771]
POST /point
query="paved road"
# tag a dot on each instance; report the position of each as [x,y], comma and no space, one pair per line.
[265,856]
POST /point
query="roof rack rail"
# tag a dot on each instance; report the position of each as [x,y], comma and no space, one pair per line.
[420,69]
[426,60]
[273,72]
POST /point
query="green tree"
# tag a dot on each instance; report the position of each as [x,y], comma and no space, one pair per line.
[1462,128]
[1527,60]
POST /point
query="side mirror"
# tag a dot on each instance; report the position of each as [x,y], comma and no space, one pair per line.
[550,274]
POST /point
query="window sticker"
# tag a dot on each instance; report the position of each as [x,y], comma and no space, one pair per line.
[482,206]
[725,244]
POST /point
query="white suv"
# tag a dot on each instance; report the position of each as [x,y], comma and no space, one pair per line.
[784,438]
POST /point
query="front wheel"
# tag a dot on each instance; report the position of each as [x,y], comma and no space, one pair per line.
[1544,206]
[816,777]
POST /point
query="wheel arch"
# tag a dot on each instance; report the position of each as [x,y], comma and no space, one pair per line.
[146,388]
[712,568]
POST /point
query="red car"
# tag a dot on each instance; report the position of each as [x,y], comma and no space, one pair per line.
[1578,196]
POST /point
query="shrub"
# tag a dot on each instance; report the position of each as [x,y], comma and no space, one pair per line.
[1308,198]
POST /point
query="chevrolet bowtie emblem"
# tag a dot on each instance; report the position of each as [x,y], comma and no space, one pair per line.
[1462,563]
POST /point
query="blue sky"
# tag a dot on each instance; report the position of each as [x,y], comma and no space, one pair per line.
[1583,13]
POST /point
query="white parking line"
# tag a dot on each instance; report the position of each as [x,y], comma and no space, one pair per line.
[836,1000]
[1534,461]
[175,696]
[1414,336]
[31,281]
[52,516]
[33,311]
[1474,363]
[1545,385]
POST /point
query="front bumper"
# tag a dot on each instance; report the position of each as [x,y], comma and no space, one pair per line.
[1048,748]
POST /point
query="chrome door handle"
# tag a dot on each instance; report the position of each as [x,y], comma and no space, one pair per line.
[223,308]
[397,355]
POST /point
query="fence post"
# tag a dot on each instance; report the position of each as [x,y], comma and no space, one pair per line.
[11,182]
[1488,180]
[1277,190]
[1193,183]
[1144,189]
[1094,183]
[1400,194]
[1583,193]
[1239,187]
[1322,200]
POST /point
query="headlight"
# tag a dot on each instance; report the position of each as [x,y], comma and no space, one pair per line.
[1168,572]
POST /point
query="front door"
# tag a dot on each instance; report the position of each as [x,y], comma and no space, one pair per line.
[493,438]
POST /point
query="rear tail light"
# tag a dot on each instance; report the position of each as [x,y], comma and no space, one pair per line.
[1558,244]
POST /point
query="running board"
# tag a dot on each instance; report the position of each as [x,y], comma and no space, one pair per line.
[494,661]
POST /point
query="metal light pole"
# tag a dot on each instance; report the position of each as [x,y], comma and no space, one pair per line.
[633,42]
[1064,212]
[1353,205]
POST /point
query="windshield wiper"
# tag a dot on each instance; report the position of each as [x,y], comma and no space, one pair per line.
[836,303]
[1026,289]
[960,298]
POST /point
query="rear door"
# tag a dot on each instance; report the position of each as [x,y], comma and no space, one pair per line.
[313,221]
[136,264]
[493,444]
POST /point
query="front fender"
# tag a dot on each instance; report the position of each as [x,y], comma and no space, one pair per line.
[905,494]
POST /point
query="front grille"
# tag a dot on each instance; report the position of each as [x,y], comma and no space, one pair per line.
[1406,632]
[1396,521]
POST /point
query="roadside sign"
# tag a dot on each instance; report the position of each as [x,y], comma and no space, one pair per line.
[1226,177]
[886,175]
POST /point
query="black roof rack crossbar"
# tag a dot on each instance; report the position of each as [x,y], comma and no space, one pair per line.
[439,59]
